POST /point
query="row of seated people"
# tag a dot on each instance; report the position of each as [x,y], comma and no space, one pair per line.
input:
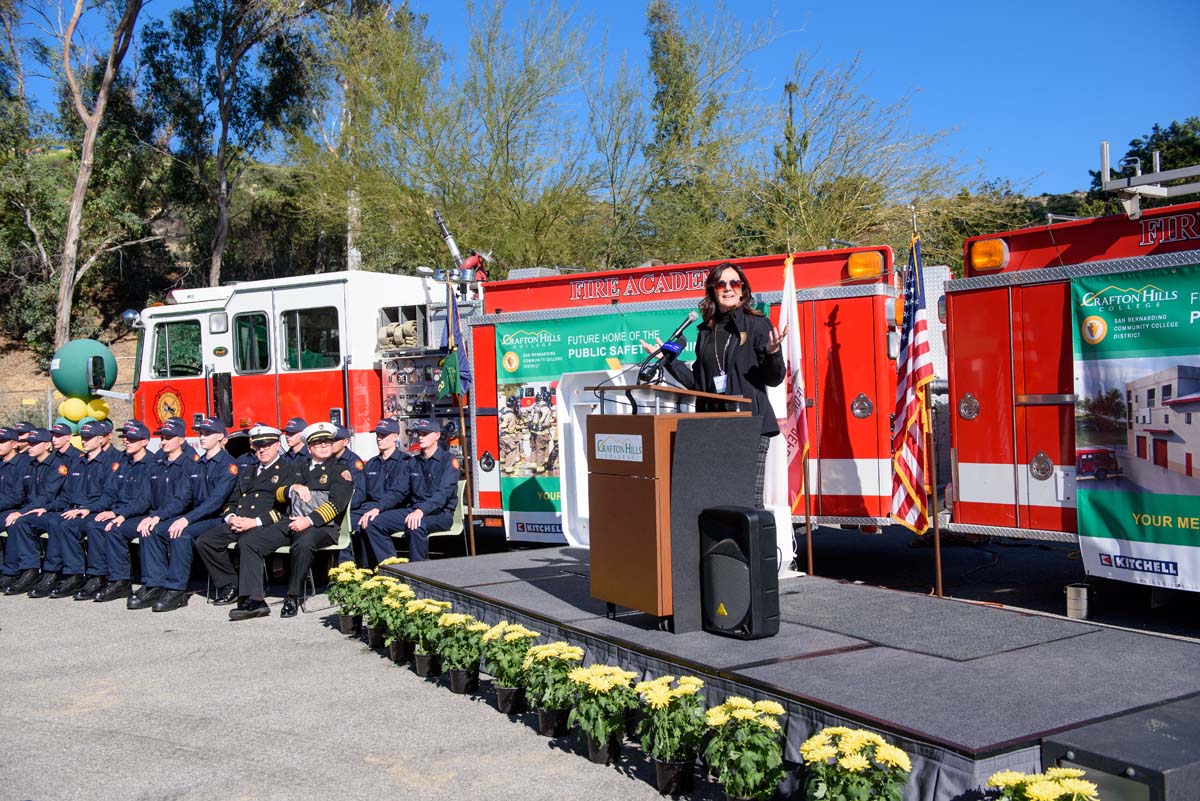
[91,504]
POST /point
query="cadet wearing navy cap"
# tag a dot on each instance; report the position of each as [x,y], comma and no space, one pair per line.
[320,494]
[24,428]
[433,488]
[294,431]
[44,479]
[377,512]
[124,497]
[256,503]
[169,494]
[13,468]
[167,551]
[82,494]
[61,443]
[349,460]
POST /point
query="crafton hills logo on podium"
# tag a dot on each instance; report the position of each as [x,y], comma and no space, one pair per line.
[619,447]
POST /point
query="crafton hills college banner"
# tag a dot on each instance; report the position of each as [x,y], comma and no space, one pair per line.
[1137,425]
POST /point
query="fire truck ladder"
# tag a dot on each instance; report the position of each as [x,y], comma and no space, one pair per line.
[1131,189]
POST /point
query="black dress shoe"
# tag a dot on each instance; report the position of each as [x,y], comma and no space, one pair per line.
[67,587]
[171,600]
[90,589]
[23,582]
[290,607]
[250,609]
[5,580]
[144,598]
[226,595]
[45,585]
[113,591]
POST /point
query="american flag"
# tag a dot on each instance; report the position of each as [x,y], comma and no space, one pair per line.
[910,474]
[795,426]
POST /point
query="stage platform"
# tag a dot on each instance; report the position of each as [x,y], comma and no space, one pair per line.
[965,689]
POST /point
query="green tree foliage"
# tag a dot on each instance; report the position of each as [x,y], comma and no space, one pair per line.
[1178,145]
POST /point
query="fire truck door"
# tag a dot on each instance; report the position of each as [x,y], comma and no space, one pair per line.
[981,410]
[253,375]
[1043,384]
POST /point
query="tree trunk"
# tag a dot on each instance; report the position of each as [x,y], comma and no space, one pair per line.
[220,236]
[353,254]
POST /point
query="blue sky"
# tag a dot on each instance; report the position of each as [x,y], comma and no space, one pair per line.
[1029,89]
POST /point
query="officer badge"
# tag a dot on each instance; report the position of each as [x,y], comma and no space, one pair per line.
[233,469]
[275,479]
[116,466]
[324,478]
[346,475]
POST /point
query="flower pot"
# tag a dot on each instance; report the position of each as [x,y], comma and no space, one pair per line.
[510,700]
[427,665]
[604,752]
[464,680]
[401,651]
[350,624]
[375,635]
[552,722]
[674,778]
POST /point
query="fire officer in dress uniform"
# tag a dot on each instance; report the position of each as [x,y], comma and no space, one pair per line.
[294,433]
[168,494]
[62,570]
[433,489]
[319,495]
[44,477]
[167,551]
[385,485]
[256,503]
[124,497]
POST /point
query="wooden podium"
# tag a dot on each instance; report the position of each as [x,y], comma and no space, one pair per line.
[649,476]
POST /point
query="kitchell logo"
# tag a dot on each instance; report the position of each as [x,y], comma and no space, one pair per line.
[1122,562]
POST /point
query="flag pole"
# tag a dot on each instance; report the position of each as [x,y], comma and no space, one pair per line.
[931,455]
[464,439]
[808,535]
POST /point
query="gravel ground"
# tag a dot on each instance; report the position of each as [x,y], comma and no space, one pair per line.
[97,702]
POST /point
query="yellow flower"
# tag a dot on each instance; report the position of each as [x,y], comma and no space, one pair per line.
[852,742]
[658,697]
[1005,779]
[737,702]
[1044,790]
[453,619]
[821,754]
[892,757]
[686,689]
[348,564]
[478,626]
[873,738]
[716,716]
[835,731]
[818,740]
[1064,773]
[391,603]
[1075,787]
[393,560]
[744,714]
[690,681]
[769,707]
[770,723]
[855,763]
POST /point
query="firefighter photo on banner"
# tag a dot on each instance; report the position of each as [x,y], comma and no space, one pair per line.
[531,357]
[1137,425]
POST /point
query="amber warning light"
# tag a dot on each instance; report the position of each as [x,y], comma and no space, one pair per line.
[866,264]
[989,254]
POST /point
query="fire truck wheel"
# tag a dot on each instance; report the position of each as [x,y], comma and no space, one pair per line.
[1101,474]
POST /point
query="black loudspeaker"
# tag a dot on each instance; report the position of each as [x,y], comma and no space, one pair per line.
[739,580]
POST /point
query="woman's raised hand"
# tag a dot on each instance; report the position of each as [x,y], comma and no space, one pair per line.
[646,346]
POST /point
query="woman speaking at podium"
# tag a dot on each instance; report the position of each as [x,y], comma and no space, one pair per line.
[737,353]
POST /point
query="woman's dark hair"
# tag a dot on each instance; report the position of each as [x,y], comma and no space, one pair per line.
[709,307]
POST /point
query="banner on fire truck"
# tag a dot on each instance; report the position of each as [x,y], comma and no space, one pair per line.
[1137,425]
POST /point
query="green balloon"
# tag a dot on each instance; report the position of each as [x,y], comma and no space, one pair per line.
[68,368]
[68,423]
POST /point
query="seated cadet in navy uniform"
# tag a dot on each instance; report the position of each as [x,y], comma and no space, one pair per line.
[62,570]
[167,550]
[13,466]
[320,494]
[124,497]
[293,431]
[169,494]
[60,442]
[256,502]
[432,486]
[24,429]
[44,478]
[377,511]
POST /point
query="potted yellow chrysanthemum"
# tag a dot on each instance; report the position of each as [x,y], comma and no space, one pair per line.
[672,729]
[847,764]
[392,616]
[745,752]
[460,647]
[1055,784]
[345,592]
[504,648]
[546,668]
[421,625]
[374,590]
[603,696]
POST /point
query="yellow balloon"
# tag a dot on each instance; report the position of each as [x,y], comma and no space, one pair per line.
[77,441]
[73,409]
[97,408]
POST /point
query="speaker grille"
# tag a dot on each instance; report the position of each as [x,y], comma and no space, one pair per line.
[726,589]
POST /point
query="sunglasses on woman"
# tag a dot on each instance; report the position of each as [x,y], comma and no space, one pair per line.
[736,283]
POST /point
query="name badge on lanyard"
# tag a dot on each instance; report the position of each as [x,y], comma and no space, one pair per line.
[720,381]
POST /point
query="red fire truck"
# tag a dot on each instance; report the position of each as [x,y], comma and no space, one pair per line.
[1011,376]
